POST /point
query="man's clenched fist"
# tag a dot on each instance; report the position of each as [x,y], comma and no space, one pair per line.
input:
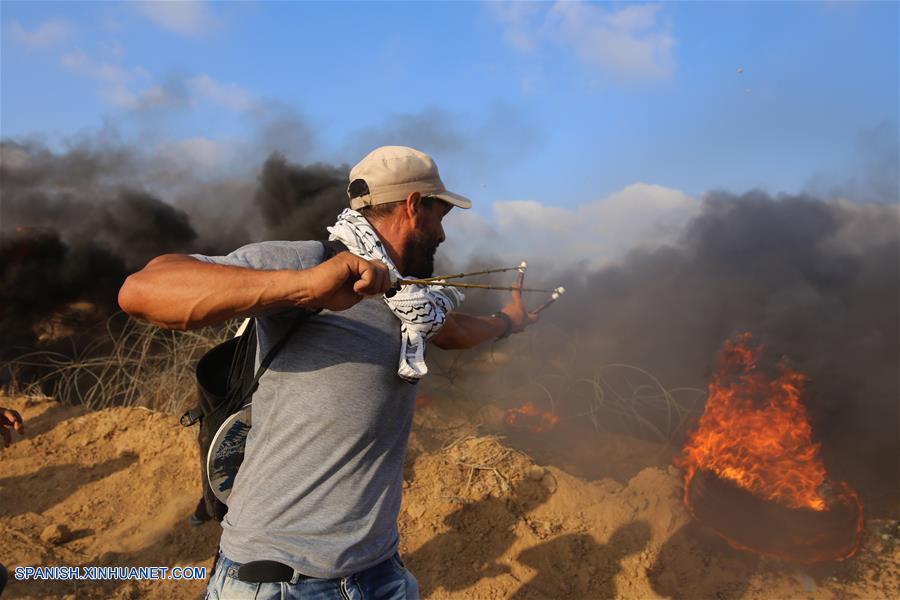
[341,282]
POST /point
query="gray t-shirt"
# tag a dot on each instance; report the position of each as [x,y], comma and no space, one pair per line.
[321,481]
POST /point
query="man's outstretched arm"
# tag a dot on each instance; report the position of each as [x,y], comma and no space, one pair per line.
[461,331]
[180,292]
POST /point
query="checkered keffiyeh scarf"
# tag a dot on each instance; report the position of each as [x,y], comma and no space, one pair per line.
[420,308]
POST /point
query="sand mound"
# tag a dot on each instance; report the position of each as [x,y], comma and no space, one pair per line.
[121,480]
[479,519]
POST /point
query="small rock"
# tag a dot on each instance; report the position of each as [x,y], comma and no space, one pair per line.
[56,534]
[549,482]
[809,586]
[535,472]
[415,510]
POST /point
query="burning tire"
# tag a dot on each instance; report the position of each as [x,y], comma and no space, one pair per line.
[749,522]
[753,473]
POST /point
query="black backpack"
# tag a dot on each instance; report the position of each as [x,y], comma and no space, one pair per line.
[225,384]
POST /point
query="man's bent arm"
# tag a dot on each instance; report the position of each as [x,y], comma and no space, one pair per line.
[179,292]
[461,331]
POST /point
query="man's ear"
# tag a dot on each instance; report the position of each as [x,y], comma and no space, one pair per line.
[413,206]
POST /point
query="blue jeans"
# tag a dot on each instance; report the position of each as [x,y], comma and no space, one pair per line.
[388,580]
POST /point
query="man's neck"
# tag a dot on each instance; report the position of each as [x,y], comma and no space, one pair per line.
[391,242]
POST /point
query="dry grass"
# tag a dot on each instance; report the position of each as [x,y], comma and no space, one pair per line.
[132,363]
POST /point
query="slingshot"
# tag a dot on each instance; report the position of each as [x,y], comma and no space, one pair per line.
[441,280]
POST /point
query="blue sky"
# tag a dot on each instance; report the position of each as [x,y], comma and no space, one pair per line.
[555,103]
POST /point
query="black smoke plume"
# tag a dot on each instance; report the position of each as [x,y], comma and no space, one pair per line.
[74,224]
[298,202]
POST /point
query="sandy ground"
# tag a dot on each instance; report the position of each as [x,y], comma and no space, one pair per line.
[479,519]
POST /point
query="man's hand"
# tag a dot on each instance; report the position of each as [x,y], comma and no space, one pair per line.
[10,418]
[466,331]
[517,313]
[341,282]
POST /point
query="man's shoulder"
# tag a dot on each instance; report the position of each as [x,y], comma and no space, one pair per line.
[306,253]
[281,254]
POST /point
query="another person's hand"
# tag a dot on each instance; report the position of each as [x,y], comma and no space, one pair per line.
[10,419]
[346,279]
[518,314]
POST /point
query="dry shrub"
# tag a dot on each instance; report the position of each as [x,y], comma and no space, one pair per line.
[131,363]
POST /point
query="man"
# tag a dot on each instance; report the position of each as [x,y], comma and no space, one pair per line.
[10,419]
[320,486]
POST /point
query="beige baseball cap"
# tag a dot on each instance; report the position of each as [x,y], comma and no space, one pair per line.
[391,173]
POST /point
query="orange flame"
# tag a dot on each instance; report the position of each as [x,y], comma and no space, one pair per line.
[754,432]
[767,450]
[528,416]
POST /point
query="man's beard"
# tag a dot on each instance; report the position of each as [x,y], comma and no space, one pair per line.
[419,252]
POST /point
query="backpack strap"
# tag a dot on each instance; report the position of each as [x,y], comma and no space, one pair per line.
[191,416]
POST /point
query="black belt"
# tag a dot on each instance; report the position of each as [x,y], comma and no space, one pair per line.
[266,571]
